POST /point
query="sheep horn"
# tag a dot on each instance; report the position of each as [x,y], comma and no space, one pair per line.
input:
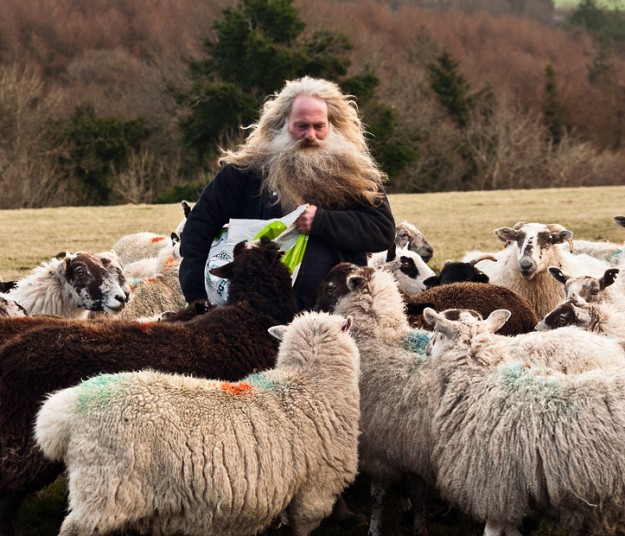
[483,258]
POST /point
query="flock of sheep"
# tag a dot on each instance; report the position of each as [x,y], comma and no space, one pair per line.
[204,420]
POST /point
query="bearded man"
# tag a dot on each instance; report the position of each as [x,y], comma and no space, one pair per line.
[308,147]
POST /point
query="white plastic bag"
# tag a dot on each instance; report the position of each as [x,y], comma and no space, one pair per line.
[280,230]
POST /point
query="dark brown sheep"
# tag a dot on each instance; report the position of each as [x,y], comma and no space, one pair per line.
[227,343]
[482,297]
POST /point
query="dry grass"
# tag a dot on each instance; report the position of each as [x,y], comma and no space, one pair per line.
[453,222]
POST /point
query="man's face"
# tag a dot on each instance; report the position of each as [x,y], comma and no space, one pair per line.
[308,119]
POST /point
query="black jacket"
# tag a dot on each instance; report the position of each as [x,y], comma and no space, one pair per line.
[336,235]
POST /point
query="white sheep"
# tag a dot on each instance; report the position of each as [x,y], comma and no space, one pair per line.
[172,454]
[396,381]
[160,291]
[136,246]
[514,439]
[73,284]
[408,267]
[522,265]
[595,317]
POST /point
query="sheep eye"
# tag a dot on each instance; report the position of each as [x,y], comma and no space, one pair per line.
[80,271]
[595,292]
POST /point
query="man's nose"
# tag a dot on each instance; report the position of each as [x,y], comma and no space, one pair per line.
[310,134]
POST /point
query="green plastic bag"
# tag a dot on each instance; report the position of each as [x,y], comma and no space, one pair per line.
[280,230]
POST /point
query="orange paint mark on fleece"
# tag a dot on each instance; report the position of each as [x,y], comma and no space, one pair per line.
[169,262]
[145,325]
[240,388]
[157,238]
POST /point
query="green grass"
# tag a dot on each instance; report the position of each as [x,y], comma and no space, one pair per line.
[453,223]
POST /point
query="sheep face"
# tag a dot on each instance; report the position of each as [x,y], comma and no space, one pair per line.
[456,328]
[95,284]
[334,287]
[586,287]
[409,269]
[407,235]
[533,243]
[572,312]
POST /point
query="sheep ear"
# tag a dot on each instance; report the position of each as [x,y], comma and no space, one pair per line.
[347,324]
[562,236]
[433,281]
[174,238]
[391,253]
[225,272]
[186,208]
[277,332]
[608,278]
[506,234]
[620,220]
[558,275]
[356,282]
[431,316]
[496,320]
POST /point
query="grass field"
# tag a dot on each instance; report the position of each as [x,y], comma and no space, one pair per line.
[453,223]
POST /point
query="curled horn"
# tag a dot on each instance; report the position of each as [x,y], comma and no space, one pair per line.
[483,258]
[556,228]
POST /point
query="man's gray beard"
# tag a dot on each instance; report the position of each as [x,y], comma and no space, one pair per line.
[330,172]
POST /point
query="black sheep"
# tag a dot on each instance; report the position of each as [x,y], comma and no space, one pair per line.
[226,342]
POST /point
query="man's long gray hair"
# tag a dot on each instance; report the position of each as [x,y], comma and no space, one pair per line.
[343,171]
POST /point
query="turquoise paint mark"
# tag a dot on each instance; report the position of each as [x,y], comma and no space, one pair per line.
[261,381]
[97,392]
[417,340]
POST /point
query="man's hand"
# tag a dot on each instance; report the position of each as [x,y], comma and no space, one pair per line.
[305,220]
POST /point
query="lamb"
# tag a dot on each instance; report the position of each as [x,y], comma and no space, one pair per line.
[522,265]
[406,234]
[161,291]
[208,457]
[408,267]
[513,440]
[595,317]
[212,345]
[137,246]
[71,285]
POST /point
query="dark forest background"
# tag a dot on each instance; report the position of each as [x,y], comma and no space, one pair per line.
[128,101]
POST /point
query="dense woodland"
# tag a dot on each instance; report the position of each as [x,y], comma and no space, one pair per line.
[119,101]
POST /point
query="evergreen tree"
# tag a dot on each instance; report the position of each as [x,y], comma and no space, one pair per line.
[258,45]
[551,107]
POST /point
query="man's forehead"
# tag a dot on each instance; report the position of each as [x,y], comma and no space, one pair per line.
[309,106]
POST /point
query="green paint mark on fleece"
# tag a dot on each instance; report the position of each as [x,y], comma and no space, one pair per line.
[417,340]
[261,381]
[534,384]
[97,392]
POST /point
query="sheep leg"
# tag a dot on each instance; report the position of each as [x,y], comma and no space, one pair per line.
[417,491]
[378,500]
[9,504]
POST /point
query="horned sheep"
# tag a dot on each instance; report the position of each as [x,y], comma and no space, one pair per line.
[211,345]
[207,457]
[71,285]
[514,439]
[522,265]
